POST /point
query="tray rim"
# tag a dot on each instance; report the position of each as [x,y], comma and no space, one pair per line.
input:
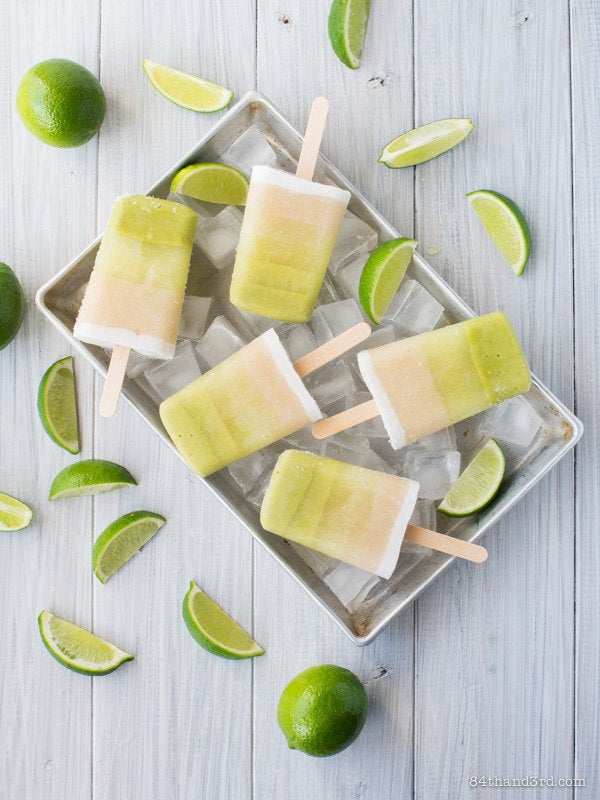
[247,99]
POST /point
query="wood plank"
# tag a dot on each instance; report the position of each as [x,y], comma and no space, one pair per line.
[585,35]
[47,209]
[494,690]
[365,108]
[175,722]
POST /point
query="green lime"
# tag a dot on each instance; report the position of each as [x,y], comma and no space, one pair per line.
[78,649]
[61,102]
[90,477]
[57,404]
[347,27]
[214,183]
[506,225]
[382,274]
[122,540]
[322,710]
[478,484]
[424,143]
[185,90]
[14,515]
[213,629]
[12,305]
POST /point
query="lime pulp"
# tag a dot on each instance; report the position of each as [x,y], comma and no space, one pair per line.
[424,143]
[506,225]
[122,540]
[187,91]
[478,484]
[382,275]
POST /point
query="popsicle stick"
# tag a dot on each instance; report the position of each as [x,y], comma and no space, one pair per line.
[345,419]
[332,349]
[114,381]
[312,138]
[446,544]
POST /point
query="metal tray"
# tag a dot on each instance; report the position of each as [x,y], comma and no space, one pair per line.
[59,300]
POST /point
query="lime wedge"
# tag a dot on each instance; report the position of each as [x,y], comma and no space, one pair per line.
[90,477]
[14,515]
[424,143]
[478,484]
[78,649]
[214,630]
[57,404]
[185,90]
[347,27]
[215,183]
[382,274]
[122,540]
[506,225]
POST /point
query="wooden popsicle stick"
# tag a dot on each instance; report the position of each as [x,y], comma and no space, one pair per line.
[312,138]
[345,419]
[446,544]
[114,381]
[332,349]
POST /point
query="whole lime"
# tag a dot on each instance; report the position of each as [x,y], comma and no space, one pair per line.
[12,305]
[322,710]
[61,102]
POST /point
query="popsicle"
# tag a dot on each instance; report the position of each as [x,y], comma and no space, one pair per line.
[135,294]
[355,514]
[288,234]
[248,401]
[425,383]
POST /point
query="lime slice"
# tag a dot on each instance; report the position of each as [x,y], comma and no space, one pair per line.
[506,225]
[347,27]
[14,515]
[78,649]
[215,183]
[382,275]
[57,404]
[478,484]
[185,90]
[122,540]
[12,305]
[214,630]
[424,143]
[90,477]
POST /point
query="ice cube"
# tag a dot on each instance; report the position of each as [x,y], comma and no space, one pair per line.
[247,471]
[298,340]
[374,461]
[411,556]
[258,491]
[441,440]
[190,202]
[193,317]
[514,421]
[413,309]
[332,319]
[257,324]
[319,563]
[435,472]
[303,440]
[218,343]
[348,277]
[355,237]
[345,454]
[379,337]
[331,383]
[424,514]
[372,428]
[328,293]
[218,236]
[350,584]
[171,376]
[249,149]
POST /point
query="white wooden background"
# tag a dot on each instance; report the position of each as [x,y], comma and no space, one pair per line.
[494,670]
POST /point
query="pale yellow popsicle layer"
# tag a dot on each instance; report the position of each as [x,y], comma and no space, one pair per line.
[427,382]
[135,293]
[288,234]
[355,514]
[250,400]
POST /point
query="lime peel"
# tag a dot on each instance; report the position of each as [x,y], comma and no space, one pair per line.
[478,484]
[214,630]
[12,305]
[78,649]
[347,27]
[91,476]
[425,142]
[14,514]
[121,540]
[382,275]
[506,225]
[185,90]
[57,404]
